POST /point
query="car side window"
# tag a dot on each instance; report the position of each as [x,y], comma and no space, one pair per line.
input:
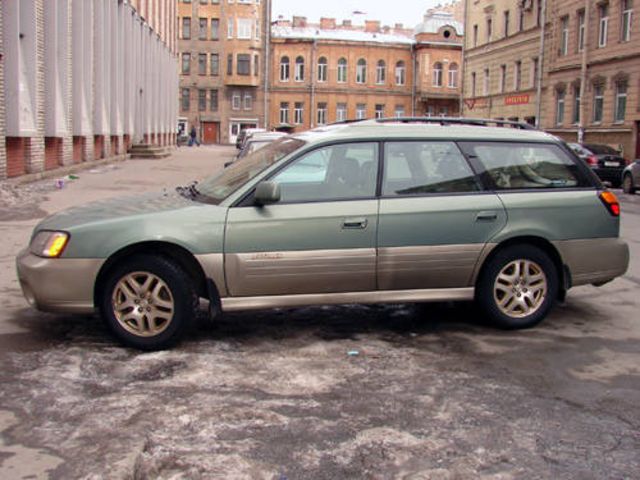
[418,168]
[342,171]
[513,166]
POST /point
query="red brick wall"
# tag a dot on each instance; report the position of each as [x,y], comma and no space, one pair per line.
[52,152]
[78,146]
[98,145]
[17,148]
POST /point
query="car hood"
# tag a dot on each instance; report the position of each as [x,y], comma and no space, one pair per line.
[114,208]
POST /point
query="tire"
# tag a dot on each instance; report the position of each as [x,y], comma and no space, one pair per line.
[508,302]
[627,184]
[148,302]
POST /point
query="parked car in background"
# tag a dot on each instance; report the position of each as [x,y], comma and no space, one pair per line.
[244,133]
[606,162]
[379,211]
[258,140]
[631,177]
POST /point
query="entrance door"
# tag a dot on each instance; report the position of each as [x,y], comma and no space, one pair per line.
[209,132]
[319,238]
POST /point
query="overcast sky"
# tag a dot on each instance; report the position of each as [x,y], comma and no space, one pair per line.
[389,12]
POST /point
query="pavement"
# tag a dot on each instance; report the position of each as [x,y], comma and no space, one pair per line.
[376,392]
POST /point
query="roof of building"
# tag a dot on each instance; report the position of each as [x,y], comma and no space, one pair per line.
[434,21]
[316,33]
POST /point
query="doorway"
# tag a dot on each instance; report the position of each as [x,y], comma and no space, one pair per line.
[209,132]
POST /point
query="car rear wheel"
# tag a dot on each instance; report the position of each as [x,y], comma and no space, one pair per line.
[627,184]
[148,302]
[518,287]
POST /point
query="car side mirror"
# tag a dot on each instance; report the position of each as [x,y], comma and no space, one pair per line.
[266,193]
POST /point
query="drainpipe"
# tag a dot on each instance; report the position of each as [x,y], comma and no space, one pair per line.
[314,46]
[267,43]
[543,16]
[463,69]
[583,71]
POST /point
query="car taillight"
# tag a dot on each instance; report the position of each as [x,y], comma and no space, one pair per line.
[592,160]
[611,202]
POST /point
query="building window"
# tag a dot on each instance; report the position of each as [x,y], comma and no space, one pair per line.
[401,73]
[202,64]
[236,100]
[341,112]
[185,100]
[245,26]
[342,70]
[186,28]
[361,71]
[215,29]
[627,13]
[603,25]
[361,111]
[257,29]
[581,30]
[379,110]
[485,86]
[213,100]
[520,19]
[576,104]
[560,107]
[437,74]
[453,75]
[230,27]
[202,100]
[539,13]
[244,64]
[256,65]
[230,64]
[475,35]
[381,72]
[248,101]
[214,67]
[489,29]
[284,69]
[503,78]
[621,102]
[322,113]
[186,63]
[202,31]
[399,111]
[534,72]
[564,35]
[299,73]
[517,76]
[284,112]
[322,69]
[298,113]
[506,23]
[598,103]
[473,84]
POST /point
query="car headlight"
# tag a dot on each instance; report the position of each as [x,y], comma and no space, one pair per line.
[49,244]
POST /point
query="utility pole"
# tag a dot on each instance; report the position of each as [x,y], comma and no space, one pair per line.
[543,20]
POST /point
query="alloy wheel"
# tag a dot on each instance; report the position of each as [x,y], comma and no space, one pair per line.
[520,288]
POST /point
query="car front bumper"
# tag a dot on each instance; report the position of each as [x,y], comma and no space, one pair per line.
[59,285]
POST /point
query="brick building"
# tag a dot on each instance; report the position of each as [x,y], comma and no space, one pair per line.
[84,79]
[593,55]
[222,66]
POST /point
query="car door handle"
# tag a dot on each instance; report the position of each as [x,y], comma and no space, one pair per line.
[354,223]
[486,216]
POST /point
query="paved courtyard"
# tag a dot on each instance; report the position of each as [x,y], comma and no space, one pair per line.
[376,392]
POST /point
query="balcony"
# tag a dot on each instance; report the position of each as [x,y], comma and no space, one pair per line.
[241,80]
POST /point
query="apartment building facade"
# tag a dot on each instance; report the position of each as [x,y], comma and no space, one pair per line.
[82,80]
[502,59]
[222,46]
[593,55]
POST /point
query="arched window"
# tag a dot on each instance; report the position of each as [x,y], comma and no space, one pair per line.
[381,72]
[437,74]
[401,73]
[453,75]
[299,74]
[361,71]
[284,69]
[322,69]
[342,70]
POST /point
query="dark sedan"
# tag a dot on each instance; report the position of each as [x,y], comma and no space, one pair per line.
[605,161]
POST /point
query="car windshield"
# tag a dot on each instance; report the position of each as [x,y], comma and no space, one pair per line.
[602,149]
[220,186]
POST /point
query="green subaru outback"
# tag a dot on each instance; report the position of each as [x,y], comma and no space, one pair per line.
[400,210]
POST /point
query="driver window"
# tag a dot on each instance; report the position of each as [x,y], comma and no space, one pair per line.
[336,172]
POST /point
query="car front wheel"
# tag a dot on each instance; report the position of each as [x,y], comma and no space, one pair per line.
[148,302]
[627,184]
[518,287]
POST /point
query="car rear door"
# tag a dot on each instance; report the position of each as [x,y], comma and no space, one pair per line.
[435,217]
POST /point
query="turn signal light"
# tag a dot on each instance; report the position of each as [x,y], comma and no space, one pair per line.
[611,202]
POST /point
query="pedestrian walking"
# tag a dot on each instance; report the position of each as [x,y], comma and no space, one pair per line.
[193,137]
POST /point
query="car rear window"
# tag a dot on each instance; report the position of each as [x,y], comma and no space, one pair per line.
[516,166]
[601,149]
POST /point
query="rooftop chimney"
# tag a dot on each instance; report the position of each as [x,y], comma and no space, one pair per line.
[299,22]
[327,23]
[346,23]
[372,26]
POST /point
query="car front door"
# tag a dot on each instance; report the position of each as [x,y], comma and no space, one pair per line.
[319,238]
[435,219]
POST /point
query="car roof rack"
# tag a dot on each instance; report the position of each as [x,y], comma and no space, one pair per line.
[477,122]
